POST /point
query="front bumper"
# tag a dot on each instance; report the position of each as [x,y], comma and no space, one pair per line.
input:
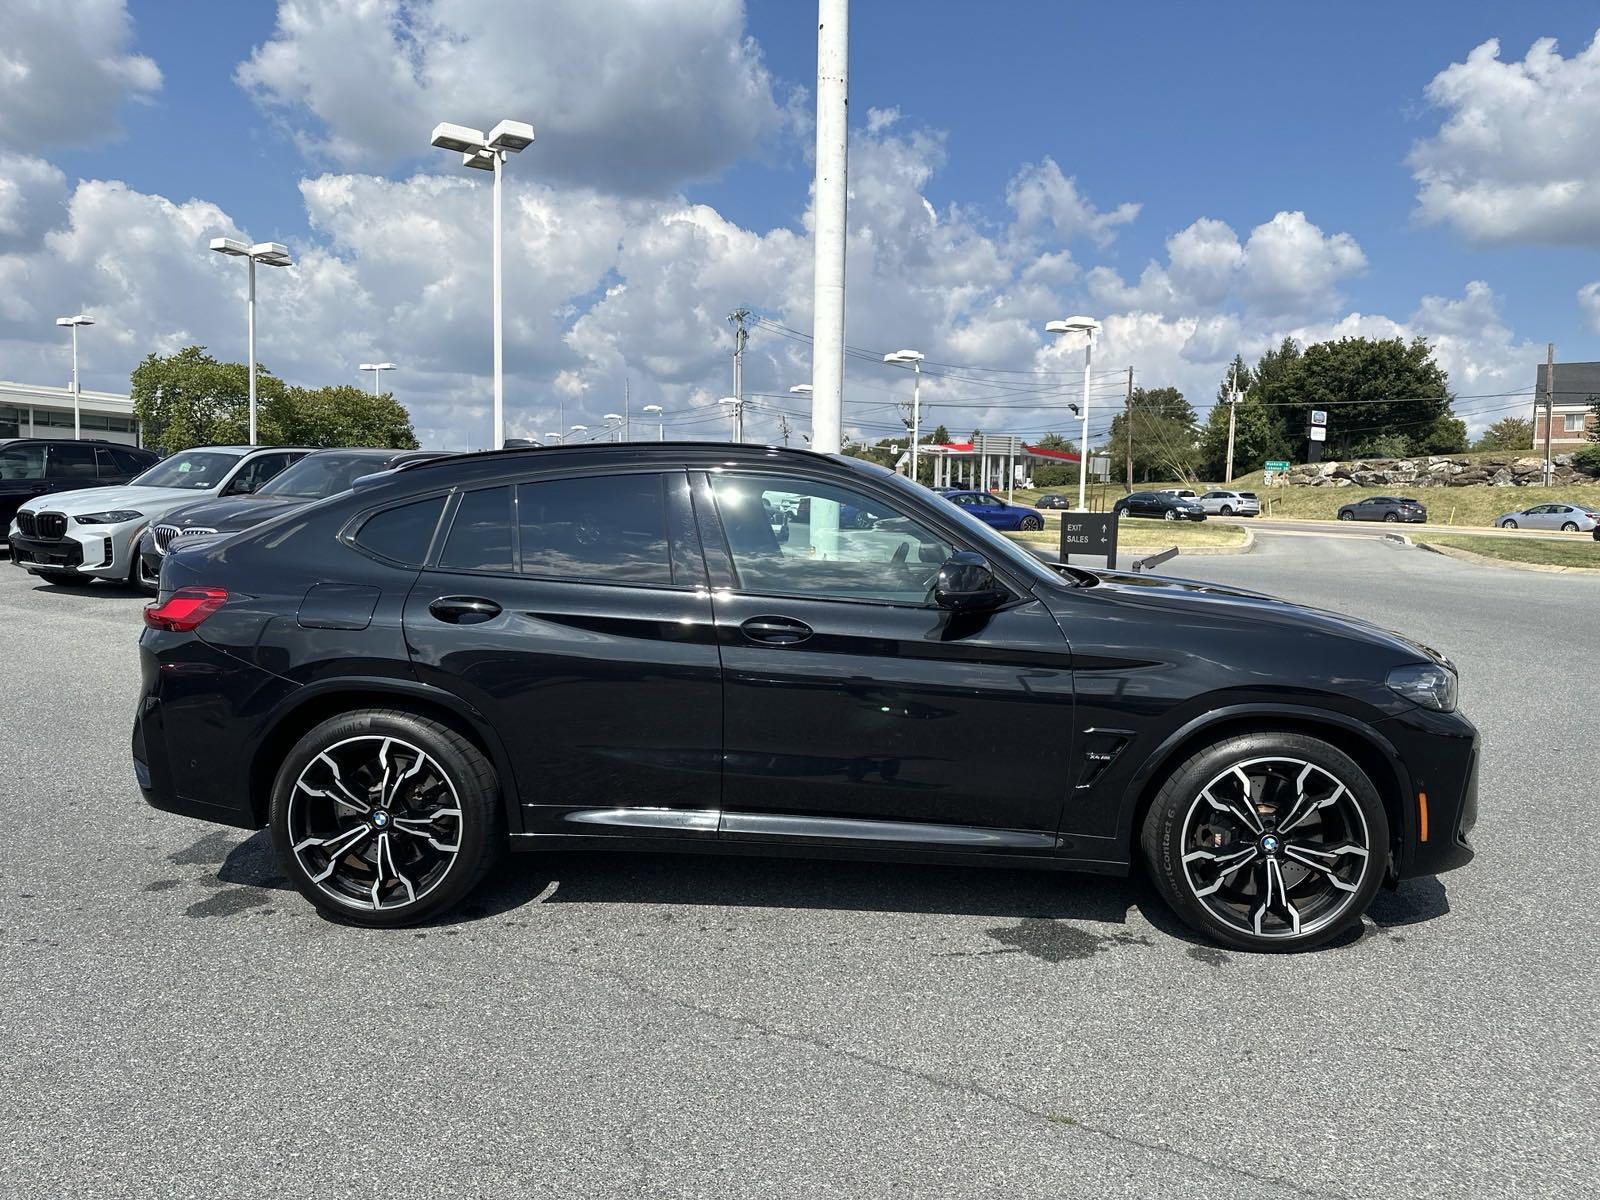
[89,551]
[1439,804]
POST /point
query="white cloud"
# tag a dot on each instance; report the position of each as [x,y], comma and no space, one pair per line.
[1042,197]
[1287,266]
[634,95]
[1589,302]
[32,193]
[1513,160]
[65,69]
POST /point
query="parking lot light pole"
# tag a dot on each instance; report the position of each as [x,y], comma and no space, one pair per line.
[661,425]
[614,426]
[77,394]
[377,370]
[914,359]
[268,254]
[1087,326]
[488,153]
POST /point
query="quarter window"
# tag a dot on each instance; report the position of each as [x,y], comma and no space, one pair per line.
[606,528]
[402,534]
[793,537]
[480,535]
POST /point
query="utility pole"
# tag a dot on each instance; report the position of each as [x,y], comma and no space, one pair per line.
[1549,405]
[1233,409]
[737,318]
[783,426]
[1127,435]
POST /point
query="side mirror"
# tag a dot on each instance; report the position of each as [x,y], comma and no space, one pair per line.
[966,583]
[242,487]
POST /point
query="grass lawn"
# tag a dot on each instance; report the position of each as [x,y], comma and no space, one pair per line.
[1579,552]
[1140,534]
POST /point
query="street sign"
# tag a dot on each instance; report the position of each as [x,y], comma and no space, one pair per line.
[1094,534]
[1099,467]
[1277,465]
[1318,417]
[1319,433]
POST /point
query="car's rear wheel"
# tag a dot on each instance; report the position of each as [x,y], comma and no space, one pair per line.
[1391,516]
[383,817]
[1508,524]
[1570,527]
[1268,841]
[1346,515]
[1225,511]
[1031,523]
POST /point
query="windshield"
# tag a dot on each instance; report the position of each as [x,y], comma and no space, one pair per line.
[318,475]
[194,470]
[992,543]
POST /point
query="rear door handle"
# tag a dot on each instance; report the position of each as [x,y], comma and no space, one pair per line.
[775,631]
[464,610]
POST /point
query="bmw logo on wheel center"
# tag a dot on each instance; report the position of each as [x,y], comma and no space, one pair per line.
[785,647]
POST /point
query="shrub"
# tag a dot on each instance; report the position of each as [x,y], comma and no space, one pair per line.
[1587,459]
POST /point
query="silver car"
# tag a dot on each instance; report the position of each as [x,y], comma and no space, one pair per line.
[1572,518]
[1224,503]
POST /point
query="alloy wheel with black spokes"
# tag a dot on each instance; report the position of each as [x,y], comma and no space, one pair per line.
[385,817]
[1268,841]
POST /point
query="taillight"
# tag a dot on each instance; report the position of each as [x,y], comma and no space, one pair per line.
[185,609]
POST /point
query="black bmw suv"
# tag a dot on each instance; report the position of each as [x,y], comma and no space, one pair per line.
[610,646]
[33,467]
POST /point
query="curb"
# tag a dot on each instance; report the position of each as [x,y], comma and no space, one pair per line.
[1206,551]
[1486,560]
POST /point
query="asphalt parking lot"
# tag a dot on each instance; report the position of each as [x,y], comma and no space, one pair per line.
[174,1022]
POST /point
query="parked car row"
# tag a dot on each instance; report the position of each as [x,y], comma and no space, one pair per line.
[736,649]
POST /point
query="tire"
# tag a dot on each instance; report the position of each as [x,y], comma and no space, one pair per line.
[1031,523]
[1197,821]
[451,817]
[1225,511]
[1390,518]
[1346,515]
[1170,515]
[1508,524]
[1570,527]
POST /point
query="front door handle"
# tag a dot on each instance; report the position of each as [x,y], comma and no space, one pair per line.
[775,631]
[464,610]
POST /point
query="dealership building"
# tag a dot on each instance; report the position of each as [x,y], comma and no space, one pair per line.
[1577,386]
[32,410]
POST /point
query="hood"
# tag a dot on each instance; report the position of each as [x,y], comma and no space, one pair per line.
[231,513]
[1194,597]
[151,501]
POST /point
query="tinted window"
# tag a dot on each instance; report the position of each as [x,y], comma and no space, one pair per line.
[129,463]
[886,556]
[324,474]
[71,460]
[480,535]
[253,476]
[611,528]
[402,533]
[22,462]
[196,470]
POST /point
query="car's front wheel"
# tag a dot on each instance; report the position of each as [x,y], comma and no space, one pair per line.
[1508,524]
[382,817]
[1268,841]
[1170,515]
[1346,515]
[1031,523]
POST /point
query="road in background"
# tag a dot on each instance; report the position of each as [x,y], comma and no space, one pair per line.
[174,1021]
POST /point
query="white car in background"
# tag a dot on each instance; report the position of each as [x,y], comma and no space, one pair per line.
[93,533]
[1223,503]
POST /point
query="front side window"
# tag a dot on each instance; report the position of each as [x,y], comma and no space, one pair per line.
[317,476]
[192,470]
[604,528]
[840,545]
[22,462]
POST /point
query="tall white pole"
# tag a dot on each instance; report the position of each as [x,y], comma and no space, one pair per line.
[1083,444]
[250,344]
[499,387]
[77,396]
[916,418]
[827,338]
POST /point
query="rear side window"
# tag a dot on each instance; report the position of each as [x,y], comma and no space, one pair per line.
[608,528]
[480,535]
[71,460]
[402,534]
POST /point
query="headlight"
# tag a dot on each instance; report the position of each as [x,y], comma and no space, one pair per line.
[1430,685]
[114,517]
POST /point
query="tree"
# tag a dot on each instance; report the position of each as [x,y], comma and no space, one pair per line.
[940,436]
[1508,433]
[1164,435]
[1056,441]
[1260,432]
[1372,387]
[190,399]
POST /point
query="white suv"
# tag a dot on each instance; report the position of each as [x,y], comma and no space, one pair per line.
[1222,503]
[94,533]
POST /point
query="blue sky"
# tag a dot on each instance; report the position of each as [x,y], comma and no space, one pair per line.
[1235,112]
